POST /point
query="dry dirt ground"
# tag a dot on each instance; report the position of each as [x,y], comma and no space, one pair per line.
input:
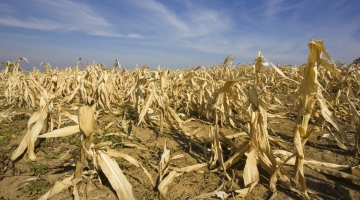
[24,179]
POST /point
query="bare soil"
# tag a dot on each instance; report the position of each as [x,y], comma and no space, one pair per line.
[24,179]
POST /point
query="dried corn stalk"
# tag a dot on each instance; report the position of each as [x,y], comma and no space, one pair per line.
[310,88]
[87,119]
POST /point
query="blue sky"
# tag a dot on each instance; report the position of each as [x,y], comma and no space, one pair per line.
[175,33]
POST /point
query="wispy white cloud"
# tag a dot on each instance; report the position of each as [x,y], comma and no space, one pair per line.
[112,34]
[274,7]
[159,10]
[32,23]
[193,21]
[66,16]
[208,22]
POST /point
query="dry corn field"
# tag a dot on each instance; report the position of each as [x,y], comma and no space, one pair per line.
[246,131]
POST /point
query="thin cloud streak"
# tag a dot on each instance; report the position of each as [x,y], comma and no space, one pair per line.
[167,16]
[66,16]
[274,7]
[195,22]
[32,23]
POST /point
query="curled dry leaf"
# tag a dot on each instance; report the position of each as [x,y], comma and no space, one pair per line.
[57,188]
[114,174]
[164,184]
[63,132]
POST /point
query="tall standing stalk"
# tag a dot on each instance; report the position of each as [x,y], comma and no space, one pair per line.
[86,125]
[309,88]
